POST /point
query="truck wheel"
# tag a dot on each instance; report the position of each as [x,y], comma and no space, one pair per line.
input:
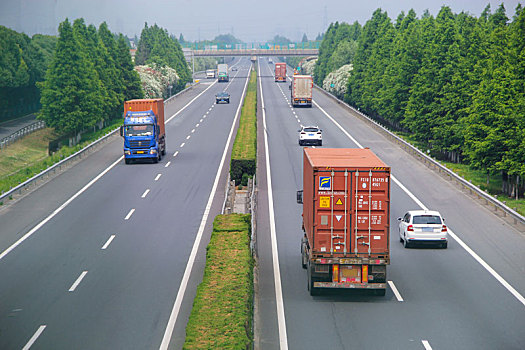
[164,150]
[156,159]
[444,245]
[379,292]
[127,161]
[313,291]
[304,259]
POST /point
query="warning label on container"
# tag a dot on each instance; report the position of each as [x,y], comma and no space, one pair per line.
[339,202]
[324,202]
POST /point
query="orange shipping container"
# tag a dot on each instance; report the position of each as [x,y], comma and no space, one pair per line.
[156,105]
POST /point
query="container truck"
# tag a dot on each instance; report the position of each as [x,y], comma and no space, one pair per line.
[143,130]
[346,212]
[302,86]
[222,71]
[280,72]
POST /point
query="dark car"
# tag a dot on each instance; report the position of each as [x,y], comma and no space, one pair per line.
[222,97]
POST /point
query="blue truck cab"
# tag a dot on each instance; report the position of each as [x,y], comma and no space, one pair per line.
[143,130]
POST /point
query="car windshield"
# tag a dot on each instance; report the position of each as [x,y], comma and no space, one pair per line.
[139,130]
[427,219]
[311,129]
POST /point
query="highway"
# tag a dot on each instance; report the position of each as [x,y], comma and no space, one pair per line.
[454,298]
[107,255]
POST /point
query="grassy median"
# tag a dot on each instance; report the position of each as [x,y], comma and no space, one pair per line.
[222,312]
[245,146]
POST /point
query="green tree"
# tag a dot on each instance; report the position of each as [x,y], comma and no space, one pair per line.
[130,78]
[71,90]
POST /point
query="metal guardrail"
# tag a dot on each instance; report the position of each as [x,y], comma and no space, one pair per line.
[28,129]
[45,174]
[497,205]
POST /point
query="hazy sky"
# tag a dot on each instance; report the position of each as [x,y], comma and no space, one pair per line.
[249,20]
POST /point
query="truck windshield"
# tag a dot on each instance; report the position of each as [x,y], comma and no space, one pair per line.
[139,130]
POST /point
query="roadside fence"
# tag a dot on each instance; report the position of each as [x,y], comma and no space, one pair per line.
[6,141]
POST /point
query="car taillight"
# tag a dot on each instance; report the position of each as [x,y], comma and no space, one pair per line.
[444,228]
[410,228]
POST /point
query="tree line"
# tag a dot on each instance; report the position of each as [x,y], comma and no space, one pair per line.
[454,83]
[156,46]
[90,76]
[23,62]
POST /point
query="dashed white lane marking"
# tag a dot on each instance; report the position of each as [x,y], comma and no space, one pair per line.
[77,282]
[34,337]
[299,120]
[193,131]
[182,145]
[158,177]
[129,214]
[167,164]
[108,242]
[426,344]
[145,193]
[396,292]
[188,137]
[175,154]
[197,125]
[200,121]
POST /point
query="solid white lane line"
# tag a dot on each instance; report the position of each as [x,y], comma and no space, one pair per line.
[77,282]
[111,238]
[281,320]
[182,145]
[175,154]
[34,337]
[59,209]
[188,137]
[167,164]
[158,177]
[129,214]
[396,292]
[426,344]
[189,103]
[191,260]
[476,257]
[145,193]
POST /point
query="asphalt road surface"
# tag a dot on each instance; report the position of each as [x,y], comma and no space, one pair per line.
[114,268]
[446,298]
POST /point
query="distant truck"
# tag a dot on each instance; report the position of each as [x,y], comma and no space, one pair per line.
[222,71]
[302,87]
[346,219]
[280,72]
[143,130]
[210,74]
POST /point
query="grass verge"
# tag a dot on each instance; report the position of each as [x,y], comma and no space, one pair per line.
[29,155]
[222,312]
[245,146]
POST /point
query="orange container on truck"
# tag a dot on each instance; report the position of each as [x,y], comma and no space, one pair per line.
[280,72]
[346,212]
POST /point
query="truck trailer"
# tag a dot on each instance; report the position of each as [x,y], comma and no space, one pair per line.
[143,130]
[346,212]
[280,72]
[302,87]
[222,71]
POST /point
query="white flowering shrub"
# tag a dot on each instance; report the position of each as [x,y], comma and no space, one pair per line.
[308,67]
[156,80]
[336,82]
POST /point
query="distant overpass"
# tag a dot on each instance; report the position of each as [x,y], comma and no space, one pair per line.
[254,49]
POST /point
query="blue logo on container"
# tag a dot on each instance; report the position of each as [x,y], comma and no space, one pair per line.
[325,183]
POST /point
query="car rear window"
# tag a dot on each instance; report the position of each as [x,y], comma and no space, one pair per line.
[426,219]
[310,129]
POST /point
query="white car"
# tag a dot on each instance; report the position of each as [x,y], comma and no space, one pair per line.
[310,135]
[423,226]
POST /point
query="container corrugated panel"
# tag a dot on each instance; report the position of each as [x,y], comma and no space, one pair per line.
[346,202]
[156,105]
[302,86]
[280,70]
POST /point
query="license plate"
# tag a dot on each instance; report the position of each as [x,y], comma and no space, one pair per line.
[140,152]
[428,229]
[310,134]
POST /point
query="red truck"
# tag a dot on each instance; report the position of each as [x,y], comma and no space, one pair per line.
[280,72]
[346,213]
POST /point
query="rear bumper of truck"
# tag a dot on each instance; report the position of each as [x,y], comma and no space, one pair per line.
[344,285]
[302,102]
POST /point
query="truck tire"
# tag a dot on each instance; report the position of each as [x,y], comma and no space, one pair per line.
[379,292]
[156,159]
[164,149]
[127,161]
[304,258]
[313,291]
